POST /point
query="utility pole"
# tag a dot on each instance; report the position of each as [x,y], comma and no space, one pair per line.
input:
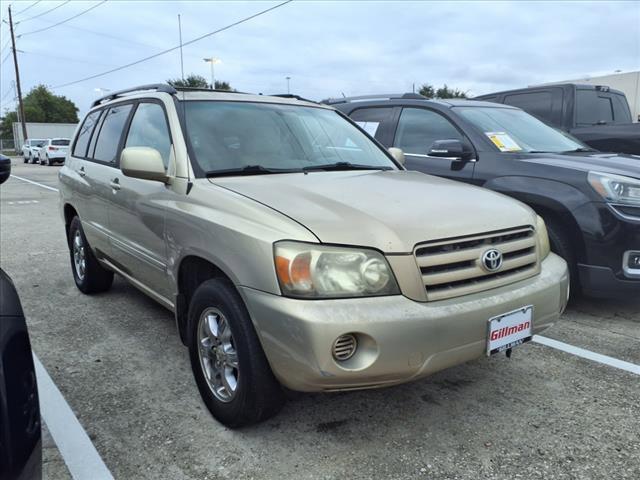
[288,89]
[15,64]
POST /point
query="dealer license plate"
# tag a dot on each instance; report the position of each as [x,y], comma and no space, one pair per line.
[510,330]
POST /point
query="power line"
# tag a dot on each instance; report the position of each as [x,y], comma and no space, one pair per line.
[25,9]
[5,95]
[63,21]
[43,13]
[174,48]
[5,58]
[47,55]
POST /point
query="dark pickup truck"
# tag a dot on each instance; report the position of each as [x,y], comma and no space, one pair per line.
[597,115]
[589,200]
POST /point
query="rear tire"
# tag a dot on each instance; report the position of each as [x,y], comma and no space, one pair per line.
[89,275]
[561,245]
[249,393]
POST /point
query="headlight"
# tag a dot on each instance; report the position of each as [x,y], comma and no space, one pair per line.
[318,271]
[543,237]
[616,188]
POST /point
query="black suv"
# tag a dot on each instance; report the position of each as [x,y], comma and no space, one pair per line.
[589,200]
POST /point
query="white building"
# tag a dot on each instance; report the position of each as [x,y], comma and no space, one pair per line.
[43,130]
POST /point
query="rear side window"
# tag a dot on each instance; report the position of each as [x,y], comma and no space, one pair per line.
[111,133]
[621,112]
[418,128]
[539,104]
[370,119]
[593,108]
[149,129]
[80,148]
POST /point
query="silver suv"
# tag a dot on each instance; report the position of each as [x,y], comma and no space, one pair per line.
[293,249]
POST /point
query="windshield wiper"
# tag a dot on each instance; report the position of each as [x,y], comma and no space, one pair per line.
[580,149]
[248,170]
[344,166]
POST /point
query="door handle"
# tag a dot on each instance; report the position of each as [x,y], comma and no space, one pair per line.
[81,172]
[115,184]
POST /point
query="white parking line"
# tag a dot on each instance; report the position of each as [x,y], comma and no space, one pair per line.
[35,183]
[581,352]
[81,457]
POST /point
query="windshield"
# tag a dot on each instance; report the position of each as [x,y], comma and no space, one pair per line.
[62,141]
[270,137]
[512,130]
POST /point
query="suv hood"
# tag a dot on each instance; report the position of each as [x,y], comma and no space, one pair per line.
[388,210]
[628,165]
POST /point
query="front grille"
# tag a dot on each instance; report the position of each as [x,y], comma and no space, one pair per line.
[453,267]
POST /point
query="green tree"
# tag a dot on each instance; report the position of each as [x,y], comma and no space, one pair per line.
[446,92]
[427,90]
[41,105]
[197,81]
[192,81]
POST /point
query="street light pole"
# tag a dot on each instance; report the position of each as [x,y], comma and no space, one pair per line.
[288,89]
[212,61]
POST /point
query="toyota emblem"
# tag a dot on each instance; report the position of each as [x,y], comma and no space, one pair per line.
[492,260]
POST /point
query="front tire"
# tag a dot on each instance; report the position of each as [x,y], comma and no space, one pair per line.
[228,363]
[89,275]
[561,245]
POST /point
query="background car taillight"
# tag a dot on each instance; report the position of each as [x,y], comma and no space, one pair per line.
[53,148]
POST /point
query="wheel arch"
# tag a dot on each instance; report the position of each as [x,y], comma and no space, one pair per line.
[69,212]
[192,271]
[551,199]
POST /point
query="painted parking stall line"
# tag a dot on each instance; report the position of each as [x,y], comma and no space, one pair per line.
[589,355]
[35,183]
[79,454]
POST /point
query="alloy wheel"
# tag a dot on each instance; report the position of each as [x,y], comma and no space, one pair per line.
[218,355]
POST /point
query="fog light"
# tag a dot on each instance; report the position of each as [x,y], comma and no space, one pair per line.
[344,347]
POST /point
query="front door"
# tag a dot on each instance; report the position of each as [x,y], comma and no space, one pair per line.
[137,213]
[417,129]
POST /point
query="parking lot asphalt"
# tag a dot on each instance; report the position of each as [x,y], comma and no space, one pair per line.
[118,362]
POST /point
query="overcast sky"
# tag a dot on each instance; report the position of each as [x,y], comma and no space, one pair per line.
[327,48]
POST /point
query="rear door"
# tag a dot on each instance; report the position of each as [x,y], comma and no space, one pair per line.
[416,131]
[91,188]
[137,214]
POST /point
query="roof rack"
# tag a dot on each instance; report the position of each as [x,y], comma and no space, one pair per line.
[207,89]
[158,87]
[364,98]
[291,95]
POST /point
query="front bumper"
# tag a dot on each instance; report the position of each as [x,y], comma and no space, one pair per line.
[402,340]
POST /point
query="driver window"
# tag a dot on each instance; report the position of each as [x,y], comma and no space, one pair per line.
[149,129]
[418,128]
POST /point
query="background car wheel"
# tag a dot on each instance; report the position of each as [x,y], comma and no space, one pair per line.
[48,162]
[229,365]
[89,275]
[26,159]
[560,244]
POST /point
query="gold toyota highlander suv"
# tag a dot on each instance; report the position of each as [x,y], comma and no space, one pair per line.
[293,249]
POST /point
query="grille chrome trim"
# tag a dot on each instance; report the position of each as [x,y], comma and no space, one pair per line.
[452,267]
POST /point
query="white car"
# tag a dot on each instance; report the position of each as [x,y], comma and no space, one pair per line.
[31,148]
[53,151]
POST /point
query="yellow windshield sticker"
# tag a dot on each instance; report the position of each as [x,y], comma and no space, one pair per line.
[503,141]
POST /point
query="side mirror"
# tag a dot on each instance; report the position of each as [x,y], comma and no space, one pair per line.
[447,149]
[397,154]
[144,163]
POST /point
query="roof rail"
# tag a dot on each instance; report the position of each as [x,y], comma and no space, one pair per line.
[158,87]
[364,98]
[291,95]
[207,89]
